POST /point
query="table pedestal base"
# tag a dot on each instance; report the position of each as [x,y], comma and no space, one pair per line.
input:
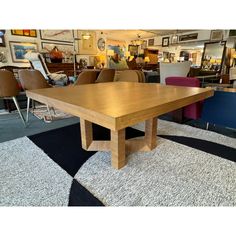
[118,146]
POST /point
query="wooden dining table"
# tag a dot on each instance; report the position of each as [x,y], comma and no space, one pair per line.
[118,105]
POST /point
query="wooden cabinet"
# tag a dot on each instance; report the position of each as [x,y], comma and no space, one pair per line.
[68,68]
[152,54]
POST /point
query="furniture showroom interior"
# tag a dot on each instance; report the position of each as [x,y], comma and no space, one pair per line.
[118,117]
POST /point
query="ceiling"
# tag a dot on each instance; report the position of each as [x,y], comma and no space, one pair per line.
[133,34]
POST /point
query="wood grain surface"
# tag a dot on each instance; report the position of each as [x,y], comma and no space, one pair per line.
[117,105]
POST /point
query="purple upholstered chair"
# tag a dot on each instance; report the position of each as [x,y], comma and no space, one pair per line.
[194,110]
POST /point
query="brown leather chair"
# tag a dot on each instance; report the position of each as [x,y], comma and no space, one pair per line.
[9,89]
[129,76]
[86,77]
[32,79]
[106,75]
[141,76]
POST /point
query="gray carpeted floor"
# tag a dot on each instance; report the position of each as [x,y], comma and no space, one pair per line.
[28,177]
[11,126]
[170,175]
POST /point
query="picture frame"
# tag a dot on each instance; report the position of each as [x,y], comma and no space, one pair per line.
[25,32]
[144,44]
[101,44]
[19,49]
[2,41]
[188,37]
[83,57]
[166,55]
[57,35]
[172,57]
[174,39]
[165,41]
[216,35]
[150,42]
[133,49]
[65,48]
[87,46]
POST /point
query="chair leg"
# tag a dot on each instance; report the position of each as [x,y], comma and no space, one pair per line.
[18,109]
[28,105]
[33,105]
[53,110]
[49,111]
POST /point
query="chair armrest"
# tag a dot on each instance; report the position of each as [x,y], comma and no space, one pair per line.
[57,72]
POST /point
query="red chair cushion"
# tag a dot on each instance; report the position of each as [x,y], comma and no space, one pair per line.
[194,110]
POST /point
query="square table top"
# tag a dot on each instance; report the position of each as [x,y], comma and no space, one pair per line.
[117,105]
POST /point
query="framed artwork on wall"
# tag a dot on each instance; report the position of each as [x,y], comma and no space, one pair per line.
[65,48]
[144,44]
[19,49]
[174,39]
[2,41]
[133,49]
[101,44]
[216,35]
[165,41]
[57,35]
[83,60]
[187,37]
[87,46]
[24,32]
[150,42]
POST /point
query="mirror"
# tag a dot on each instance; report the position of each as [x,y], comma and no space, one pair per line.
[213,56]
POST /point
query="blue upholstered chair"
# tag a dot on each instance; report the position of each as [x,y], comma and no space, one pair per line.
[220,109]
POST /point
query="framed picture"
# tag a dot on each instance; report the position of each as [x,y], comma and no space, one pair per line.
[133,49]
[24,32]
[172,57]
[165,41]
[65,48]
[150,42]
[187,37]
[144,44]
[166,55]
[174,39]
[216,35]
[87,46]
[19,49]
[2,41]
[232,32]
[101,44]
[83,59]
[57,35]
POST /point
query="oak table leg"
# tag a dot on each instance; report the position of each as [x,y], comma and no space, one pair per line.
[86,133]
[117,145]
[118,148]
[151,133]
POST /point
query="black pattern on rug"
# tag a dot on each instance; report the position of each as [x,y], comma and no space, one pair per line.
[63,146]
[217,149]
[80,196]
